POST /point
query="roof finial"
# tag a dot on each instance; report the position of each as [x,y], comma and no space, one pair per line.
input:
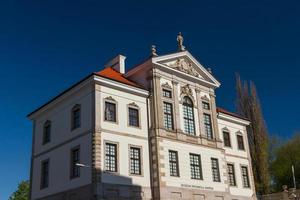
[180,42]
[153,51]
[209,70]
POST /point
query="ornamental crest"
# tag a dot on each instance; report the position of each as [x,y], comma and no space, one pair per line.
[186,90]
[184,66]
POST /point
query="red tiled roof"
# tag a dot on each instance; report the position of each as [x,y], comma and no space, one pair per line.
[112,74]
[222,110]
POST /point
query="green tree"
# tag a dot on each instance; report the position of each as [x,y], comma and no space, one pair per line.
[286,154]
[22,193]
[248,105]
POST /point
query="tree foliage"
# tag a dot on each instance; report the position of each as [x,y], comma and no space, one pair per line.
[22,192]
[248,105]
[285,154]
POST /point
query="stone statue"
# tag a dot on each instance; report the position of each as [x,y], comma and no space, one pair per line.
[180,42]
[153,51]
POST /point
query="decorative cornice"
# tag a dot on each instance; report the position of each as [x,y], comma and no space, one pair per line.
[109,98]
[205,98]
[133,104]
[166,85]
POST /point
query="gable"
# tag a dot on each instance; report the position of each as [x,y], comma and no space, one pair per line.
[184,62]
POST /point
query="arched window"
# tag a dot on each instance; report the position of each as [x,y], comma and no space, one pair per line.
[47,132]
[188,116]
[76,117]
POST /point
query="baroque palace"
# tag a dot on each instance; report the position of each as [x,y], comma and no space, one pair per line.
[153,132]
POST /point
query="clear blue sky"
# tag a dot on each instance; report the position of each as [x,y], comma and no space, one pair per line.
[46,46]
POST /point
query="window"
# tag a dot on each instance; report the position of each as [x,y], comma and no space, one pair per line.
[45,174]
[110,112]
[195,162]
[133,117]
[207,126]
[226,138]
[135,160]
[75,158]
[240,141]
[188,116]
[231,174]
[47,132]
[168,116]
[205,105]
[215,170]
[167,93]
[76,117]
[245,177]
[173,160]
[111,157]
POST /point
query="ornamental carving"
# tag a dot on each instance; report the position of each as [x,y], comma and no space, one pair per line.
[133,104]
[166,85]
[186,90]
[184,66]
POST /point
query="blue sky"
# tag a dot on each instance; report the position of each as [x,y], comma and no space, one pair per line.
[46,46]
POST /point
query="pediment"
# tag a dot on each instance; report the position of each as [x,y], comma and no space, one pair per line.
[185,63]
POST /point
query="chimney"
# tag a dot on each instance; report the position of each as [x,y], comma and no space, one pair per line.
[118,63]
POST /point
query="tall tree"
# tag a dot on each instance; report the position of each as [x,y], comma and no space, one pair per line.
[248,105]
[22,193]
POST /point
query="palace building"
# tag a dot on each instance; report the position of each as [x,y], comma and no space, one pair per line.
[153,132]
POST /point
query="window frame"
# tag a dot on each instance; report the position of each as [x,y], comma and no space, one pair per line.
[211,137]
[130,107]
[44,184]
[173,163]
[167,115]
[239,135]
[231,174]
[186,108]
[46,125]
[116,156]
[168,91]
[205,103]
[140,160]
[115,115]
[193,167]
[224,132]
[76,108]
[245,175]
[217,168]
[73,166]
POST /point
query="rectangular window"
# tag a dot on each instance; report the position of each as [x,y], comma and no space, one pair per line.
[110,112]
[205,105]
[245,177]
[196,170]
[215,170]
[226,138]
[168,116]
[45,174]
[173,161]
[208,126]
[76,112]
[75,159]
[231,174]
[133,117]
[111,157]
[167,93]
[135,160]
[47,132]
[240,141]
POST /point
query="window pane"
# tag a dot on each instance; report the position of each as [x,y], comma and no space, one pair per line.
[135,160]
[245,177]
[111,157]
[133,117]
[226,137]
[188,116]
[110,112]
[168,116]
[75,158]
[215,170]
[196,170]
[44,174]
[205,105]
[240,142]
[47,132]
[208,126]
[231,174]
[167,93]
[76,117]
[173,161]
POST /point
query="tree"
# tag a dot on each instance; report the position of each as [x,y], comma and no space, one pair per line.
[286,154]
[248,105]
[22,193]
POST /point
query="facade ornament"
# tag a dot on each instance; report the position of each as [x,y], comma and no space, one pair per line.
[110,98]
[133,104]
[153,51]
[209,70]
[205,98]
[186,90]
[180,42]
[184,66]
[166,85]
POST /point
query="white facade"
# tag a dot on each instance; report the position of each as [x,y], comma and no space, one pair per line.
[105,175]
